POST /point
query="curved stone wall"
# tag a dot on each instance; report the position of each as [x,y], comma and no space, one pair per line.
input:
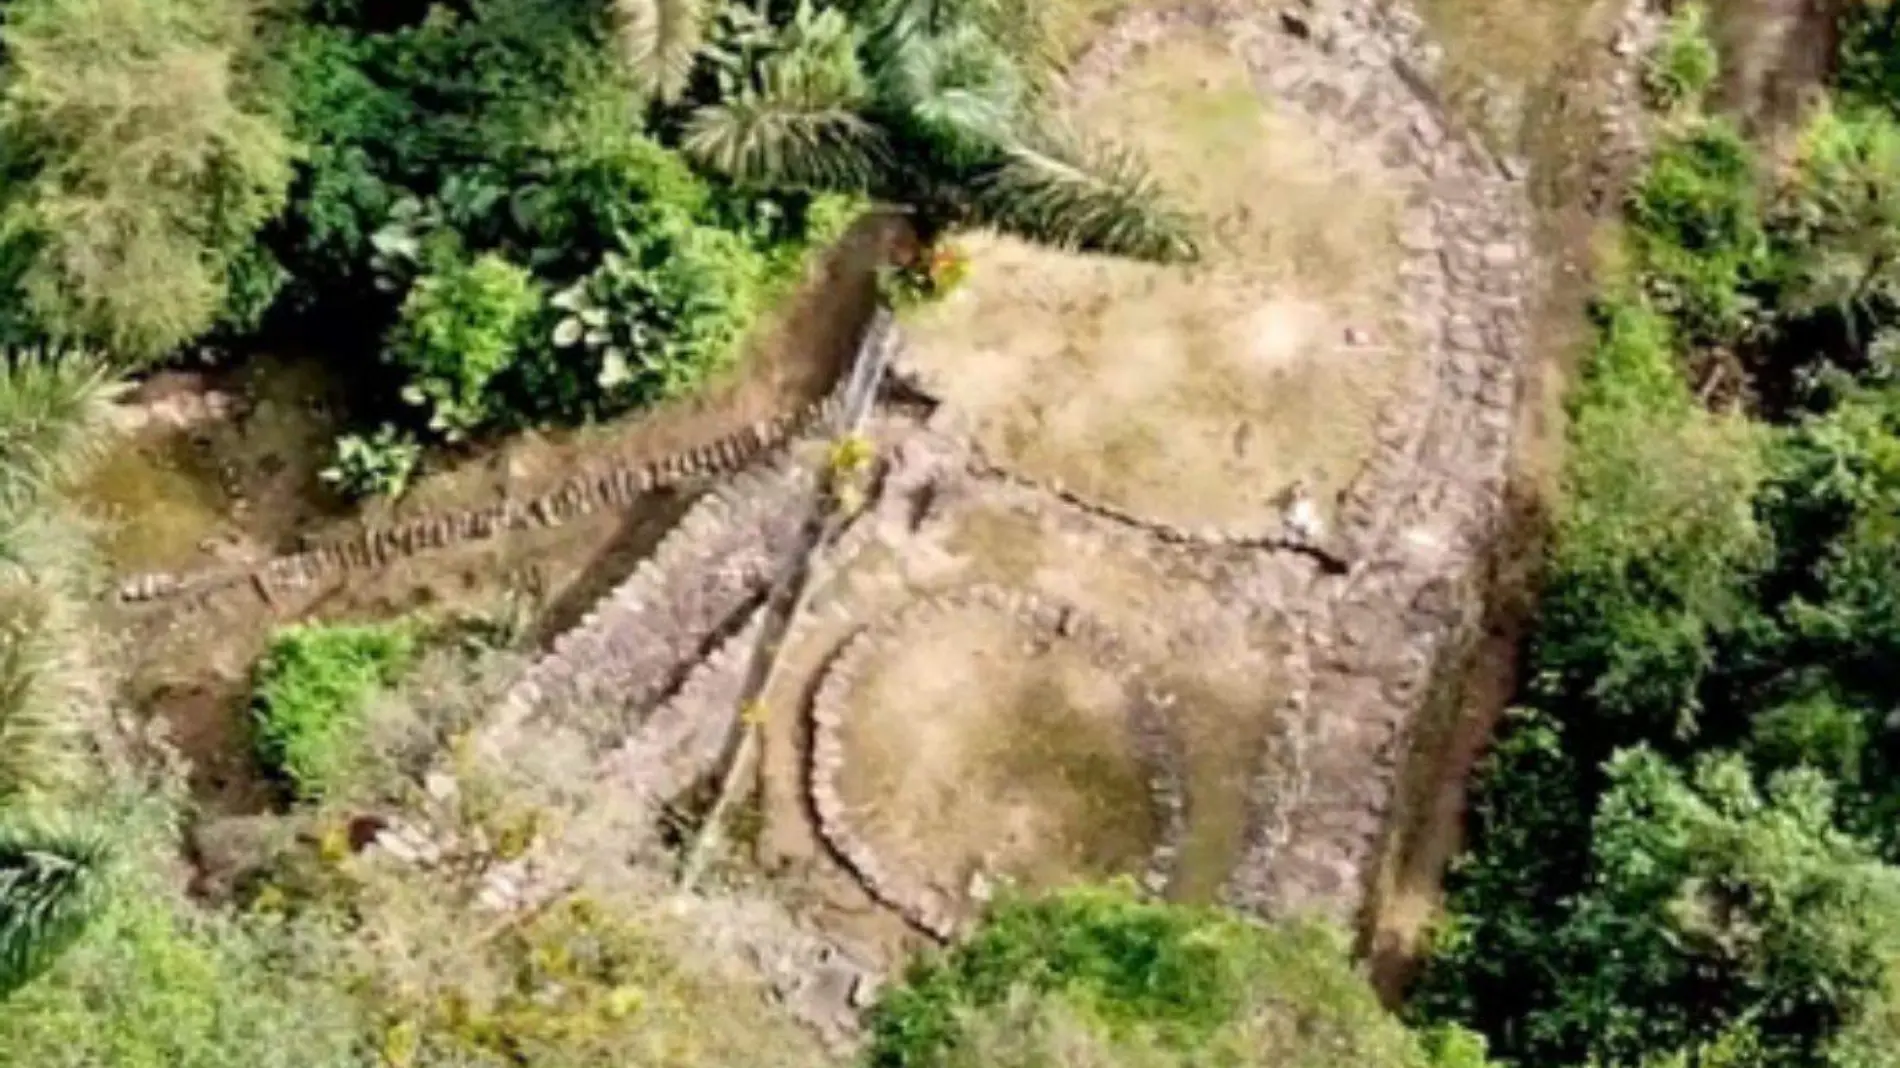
[907,892]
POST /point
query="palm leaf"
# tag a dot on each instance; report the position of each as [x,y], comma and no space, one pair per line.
[51,885]
[763,141]
[959,89]
[796,124]
[55,410]
[660,39]
[1070,193]
[44,683]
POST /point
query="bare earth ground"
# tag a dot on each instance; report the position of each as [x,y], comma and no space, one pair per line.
[1030,776]
[1195,395]
[245,486]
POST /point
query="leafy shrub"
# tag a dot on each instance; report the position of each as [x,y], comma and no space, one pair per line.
[1657,539]
[586,984]
[653,320]
[311,693]
[1137,983]
[460,327]
[1684,64]
[382,463]
[152,164]
[159,983]
[1696,224]
[1837,223]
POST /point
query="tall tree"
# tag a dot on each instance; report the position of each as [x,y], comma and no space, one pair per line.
[142,165]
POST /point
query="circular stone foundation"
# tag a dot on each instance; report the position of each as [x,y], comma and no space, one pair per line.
[964,742]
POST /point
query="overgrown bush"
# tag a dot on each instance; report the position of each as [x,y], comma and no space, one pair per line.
[460,327]
[1684,65]
[160,983]
[1097,977]
[377,464]
[1683,851]
[1696,225]
[1657,540]
[311,692]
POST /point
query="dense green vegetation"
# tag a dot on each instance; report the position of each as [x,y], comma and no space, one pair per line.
[1095,977]
[496,213]
[312,690]
[506,211]
[1684,851]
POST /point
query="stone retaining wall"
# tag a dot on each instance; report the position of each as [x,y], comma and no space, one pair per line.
[925,907]
[627,651]
[685,738]
[1423,523]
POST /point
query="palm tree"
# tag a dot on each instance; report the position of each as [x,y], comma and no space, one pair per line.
[51,884]
[934,104]
[54,410]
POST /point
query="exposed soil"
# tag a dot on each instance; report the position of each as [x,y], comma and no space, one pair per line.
[1776,54]
[1030,775]
[1161,390]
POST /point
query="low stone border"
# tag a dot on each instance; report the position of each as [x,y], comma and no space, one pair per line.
[925,907]
[581,495]
[1280,537]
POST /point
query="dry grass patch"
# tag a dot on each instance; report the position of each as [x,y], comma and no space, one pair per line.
[1193,395]
[1031,774]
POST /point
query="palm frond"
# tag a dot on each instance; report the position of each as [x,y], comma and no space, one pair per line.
[659,40]
[796,124]
[55,411]
[960,89]
[44,685]
[1065,191]
[759,140]
[51,885]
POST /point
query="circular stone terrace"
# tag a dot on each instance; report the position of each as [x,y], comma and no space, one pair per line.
[987,736]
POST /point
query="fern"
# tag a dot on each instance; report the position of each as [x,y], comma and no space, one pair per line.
[51,885]
[660,39]
[1065,191]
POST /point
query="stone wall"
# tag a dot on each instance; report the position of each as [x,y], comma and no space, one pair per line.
[926,907]
[610,487]
[1383,639]
[627,651]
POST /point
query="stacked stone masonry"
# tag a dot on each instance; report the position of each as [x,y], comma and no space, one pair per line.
[720,559]
[614,487]
[925,906]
